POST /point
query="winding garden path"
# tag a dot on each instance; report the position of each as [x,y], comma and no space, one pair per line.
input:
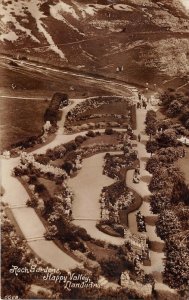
[26,218]
[28,221]
[89,183]
[156,255]
[87,186]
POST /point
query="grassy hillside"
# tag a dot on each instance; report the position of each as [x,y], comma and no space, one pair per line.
[148,38]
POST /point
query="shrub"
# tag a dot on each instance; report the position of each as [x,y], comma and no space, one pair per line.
[109,131]
[32,202]
[91,133]
[70,146]
[67,166]
[160,201]
[32,179]
[77,246]
[51,232]
[177,265]
[168,224]
[79,139]
[40,188]
[91,255]
[82,233]
[152,164]
[151,146]
[167,138]
[6,227]
[112,268]
[42,159]
[174,109]
[18,172]
[151,128]
[51,115]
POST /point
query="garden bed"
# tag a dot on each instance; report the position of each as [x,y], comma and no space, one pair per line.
[108,230]
[50,185]
[101,252]
[134,206]
[102,112]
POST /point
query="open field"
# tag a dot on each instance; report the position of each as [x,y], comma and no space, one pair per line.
[20,119]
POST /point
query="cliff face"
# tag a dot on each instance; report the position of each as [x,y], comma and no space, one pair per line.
[148,38]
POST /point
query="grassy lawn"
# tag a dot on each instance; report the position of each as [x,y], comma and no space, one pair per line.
[107,110]
[100,252]
[20,119]
[104,139]
[50,185]
[91,141]
[110,108]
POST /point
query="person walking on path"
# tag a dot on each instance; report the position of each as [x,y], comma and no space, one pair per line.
[137,171]
[145,104]
[139,137]
[139,96]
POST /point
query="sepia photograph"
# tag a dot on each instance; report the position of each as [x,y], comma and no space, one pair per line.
[94,149]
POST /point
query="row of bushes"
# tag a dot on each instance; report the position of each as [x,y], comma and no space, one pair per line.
[170,195]
[52,113]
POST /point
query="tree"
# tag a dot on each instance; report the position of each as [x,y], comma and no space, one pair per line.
[177,264]
[165,177]
[168,224]
[174,108]
[67,166]
[13,254]
[109,131]
[180,192]
[79,139]
[160,200]
[167,138]
[152,164]
[151,146]
[40,188]
[151,128]
[70,146]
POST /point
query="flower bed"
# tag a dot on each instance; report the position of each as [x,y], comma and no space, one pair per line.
[100,112]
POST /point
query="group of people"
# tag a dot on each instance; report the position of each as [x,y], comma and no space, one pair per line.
[142,102]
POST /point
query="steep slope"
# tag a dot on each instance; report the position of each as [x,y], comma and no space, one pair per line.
[100,36]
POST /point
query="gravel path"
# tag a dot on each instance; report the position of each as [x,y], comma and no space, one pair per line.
[87,186]
[29,222]
[157,258]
